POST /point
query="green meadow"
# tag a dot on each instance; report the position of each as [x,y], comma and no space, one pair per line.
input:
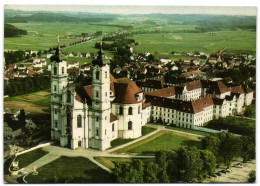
[203,42]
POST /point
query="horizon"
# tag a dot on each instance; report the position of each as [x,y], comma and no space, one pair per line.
[140,9]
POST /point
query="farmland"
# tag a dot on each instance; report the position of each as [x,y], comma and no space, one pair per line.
[203,42]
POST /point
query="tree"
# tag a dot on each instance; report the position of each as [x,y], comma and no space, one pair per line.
[211,143]
[39,53]
[189,164]
[21,117]
[209,162]
[248,148]
[151,172]
[252,177]
[229,148]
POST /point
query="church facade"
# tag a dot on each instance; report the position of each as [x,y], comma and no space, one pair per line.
[94,115]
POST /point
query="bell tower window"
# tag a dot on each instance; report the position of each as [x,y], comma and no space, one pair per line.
[130,111]
[68,96]
[106,74]
[55,70]
[97,75]
[121,110]
[62,70]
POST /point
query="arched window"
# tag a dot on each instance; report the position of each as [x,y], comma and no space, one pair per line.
[55,70]
[97,75]
[121,112]
[113,127]
[130,111]
[68,96]
[79,121]
[62,70]
[130,125]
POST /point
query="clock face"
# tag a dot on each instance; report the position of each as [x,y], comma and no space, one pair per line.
[97,101]
[55,95]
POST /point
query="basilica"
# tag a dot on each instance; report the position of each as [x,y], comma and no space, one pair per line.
[94,115]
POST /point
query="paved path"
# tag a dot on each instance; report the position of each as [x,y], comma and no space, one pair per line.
[41,162]
[243,117]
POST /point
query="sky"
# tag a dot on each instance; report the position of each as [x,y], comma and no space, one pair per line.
[123,9]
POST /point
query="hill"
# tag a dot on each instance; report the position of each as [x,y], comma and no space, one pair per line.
[12,31]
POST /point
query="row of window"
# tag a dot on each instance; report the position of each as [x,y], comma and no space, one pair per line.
[130,110]
[55,70]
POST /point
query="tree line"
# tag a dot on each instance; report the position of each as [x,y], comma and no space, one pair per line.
[189,164]
[12,31]
[19,86]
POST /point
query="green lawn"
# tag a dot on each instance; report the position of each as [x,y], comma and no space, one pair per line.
[70,170]
[119,141]
[189,131]
[29,157]
[41,98]
[166,141]
[146,130]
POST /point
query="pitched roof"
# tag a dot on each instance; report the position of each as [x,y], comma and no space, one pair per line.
[182,106]
[237,89]
[150,83]
[165,92]
[125,91]
[217,87]
[113,117]
[192,73]
[192,85]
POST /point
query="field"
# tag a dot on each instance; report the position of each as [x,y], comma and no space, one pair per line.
[80,169]
[29,157]
[36,102]
[163,140]
[44,35]
[109,162]
[202,42]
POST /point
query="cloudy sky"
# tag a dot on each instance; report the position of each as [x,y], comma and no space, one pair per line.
[123,9]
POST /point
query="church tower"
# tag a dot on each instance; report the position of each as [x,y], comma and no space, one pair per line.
[58,82]
[101,105]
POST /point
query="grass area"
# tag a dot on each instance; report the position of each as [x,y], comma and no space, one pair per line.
[146,130]
[163,140]
[70,170]
[202,42]
[189,131]
[119,141]
[43,35]
[41,98]
[109,162]
[30,157]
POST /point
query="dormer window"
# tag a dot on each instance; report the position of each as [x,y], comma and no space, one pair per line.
[139,96]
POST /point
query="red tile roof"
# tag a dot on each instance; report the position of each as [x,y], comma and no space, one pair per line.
[165,92]
[193,85]
[125,91]
[217,87]
[192,73]
[237,89]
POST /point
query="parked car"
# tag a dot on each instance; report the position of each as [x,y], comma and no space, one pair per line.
[218,174]
[223,171]
[239,165]
[228,170]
